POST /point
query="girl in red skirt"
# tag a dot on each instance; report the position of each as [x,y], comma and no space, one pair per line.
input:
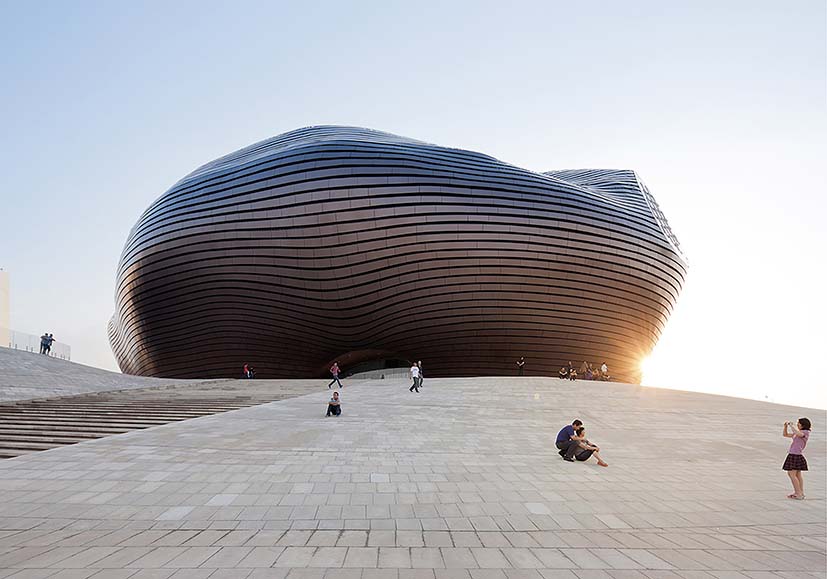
[796,462]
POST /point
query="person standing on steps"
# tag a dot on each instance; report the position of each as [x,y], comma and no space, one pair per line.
[414,378]
[520,366]
[334,371]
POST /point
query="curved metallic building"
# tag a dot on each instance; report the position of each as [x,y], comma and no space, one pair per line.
[340,243]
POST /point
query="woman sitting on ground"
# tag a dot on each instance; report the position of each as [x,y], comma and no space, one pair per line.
[587,449]
[564,373]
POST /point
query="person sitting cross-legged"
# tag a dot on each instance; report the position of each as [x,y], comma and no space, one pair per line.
[334,406]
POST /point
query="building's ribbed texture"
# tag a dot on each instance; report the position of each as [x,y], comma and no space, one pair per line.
[330,243]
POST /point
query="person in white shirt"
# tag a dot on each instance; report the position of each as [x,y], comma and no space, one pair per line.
[334,405]
[415,378]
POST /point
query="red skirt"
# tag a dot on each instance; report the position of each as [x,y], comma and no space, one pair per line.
[795,462]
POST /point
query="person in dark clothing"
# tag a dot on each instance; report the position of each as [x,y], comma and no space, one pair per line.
[44,339]
[49,342]
[334,406]
[520,366]
[334,371]
[568,441]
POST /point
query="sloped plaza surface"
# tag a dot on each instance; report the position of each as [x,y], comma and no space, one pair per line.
[459,481]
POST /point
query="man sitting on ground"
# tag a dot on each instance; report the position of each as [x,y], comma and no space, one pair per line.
[567,440]
[334,407]
[564,373]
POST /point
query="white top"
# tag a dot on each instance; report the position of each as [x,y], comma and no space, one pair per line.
[415,371]
[604,368]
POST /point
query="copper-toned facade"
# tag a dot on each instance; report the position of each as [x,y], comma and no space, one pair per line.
[339,243]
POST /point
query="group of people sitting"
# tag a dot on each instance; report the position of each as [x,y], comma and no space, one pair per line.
[573,444]
[586,372]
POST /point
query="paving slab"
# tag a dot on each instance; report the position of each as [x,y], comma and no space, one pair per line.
[461,480]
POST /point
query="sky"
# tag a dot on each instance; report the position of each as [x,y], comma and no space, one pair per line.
[719,106]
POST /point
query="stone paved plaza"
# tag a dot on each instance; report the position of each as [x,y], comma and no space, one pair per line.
[459,481]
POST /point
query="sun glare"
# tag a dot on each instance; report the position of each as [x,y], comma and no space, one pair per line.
[649,370]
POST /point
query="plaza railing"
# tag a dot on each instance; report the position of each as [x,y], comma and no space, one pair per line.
[30,343]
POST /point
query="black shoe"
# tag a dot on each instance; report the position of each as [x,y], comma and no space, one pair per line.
[567,459]
[562,453]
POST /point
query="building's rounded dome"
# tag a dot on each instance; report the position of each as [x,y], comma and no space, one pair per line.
[340,243]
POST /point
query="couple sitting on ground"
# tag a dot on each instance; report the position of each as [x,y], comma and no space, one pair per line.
[573,444]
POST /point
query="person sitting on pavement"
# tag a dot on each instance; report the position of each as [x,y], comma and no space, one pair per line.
[334,406]
[564,373]
[604,372]
[586,449]
[567,440]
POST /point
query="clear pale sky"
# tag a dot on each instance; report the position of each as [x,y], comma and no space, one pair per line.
[720,106]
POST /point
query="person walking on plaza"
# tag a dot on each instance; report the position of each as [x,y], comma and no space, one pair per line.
[334,405]
[415,378]
[795,462]
[568,441]
[520,366]
[334,371]
[421,373]
[44,339]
